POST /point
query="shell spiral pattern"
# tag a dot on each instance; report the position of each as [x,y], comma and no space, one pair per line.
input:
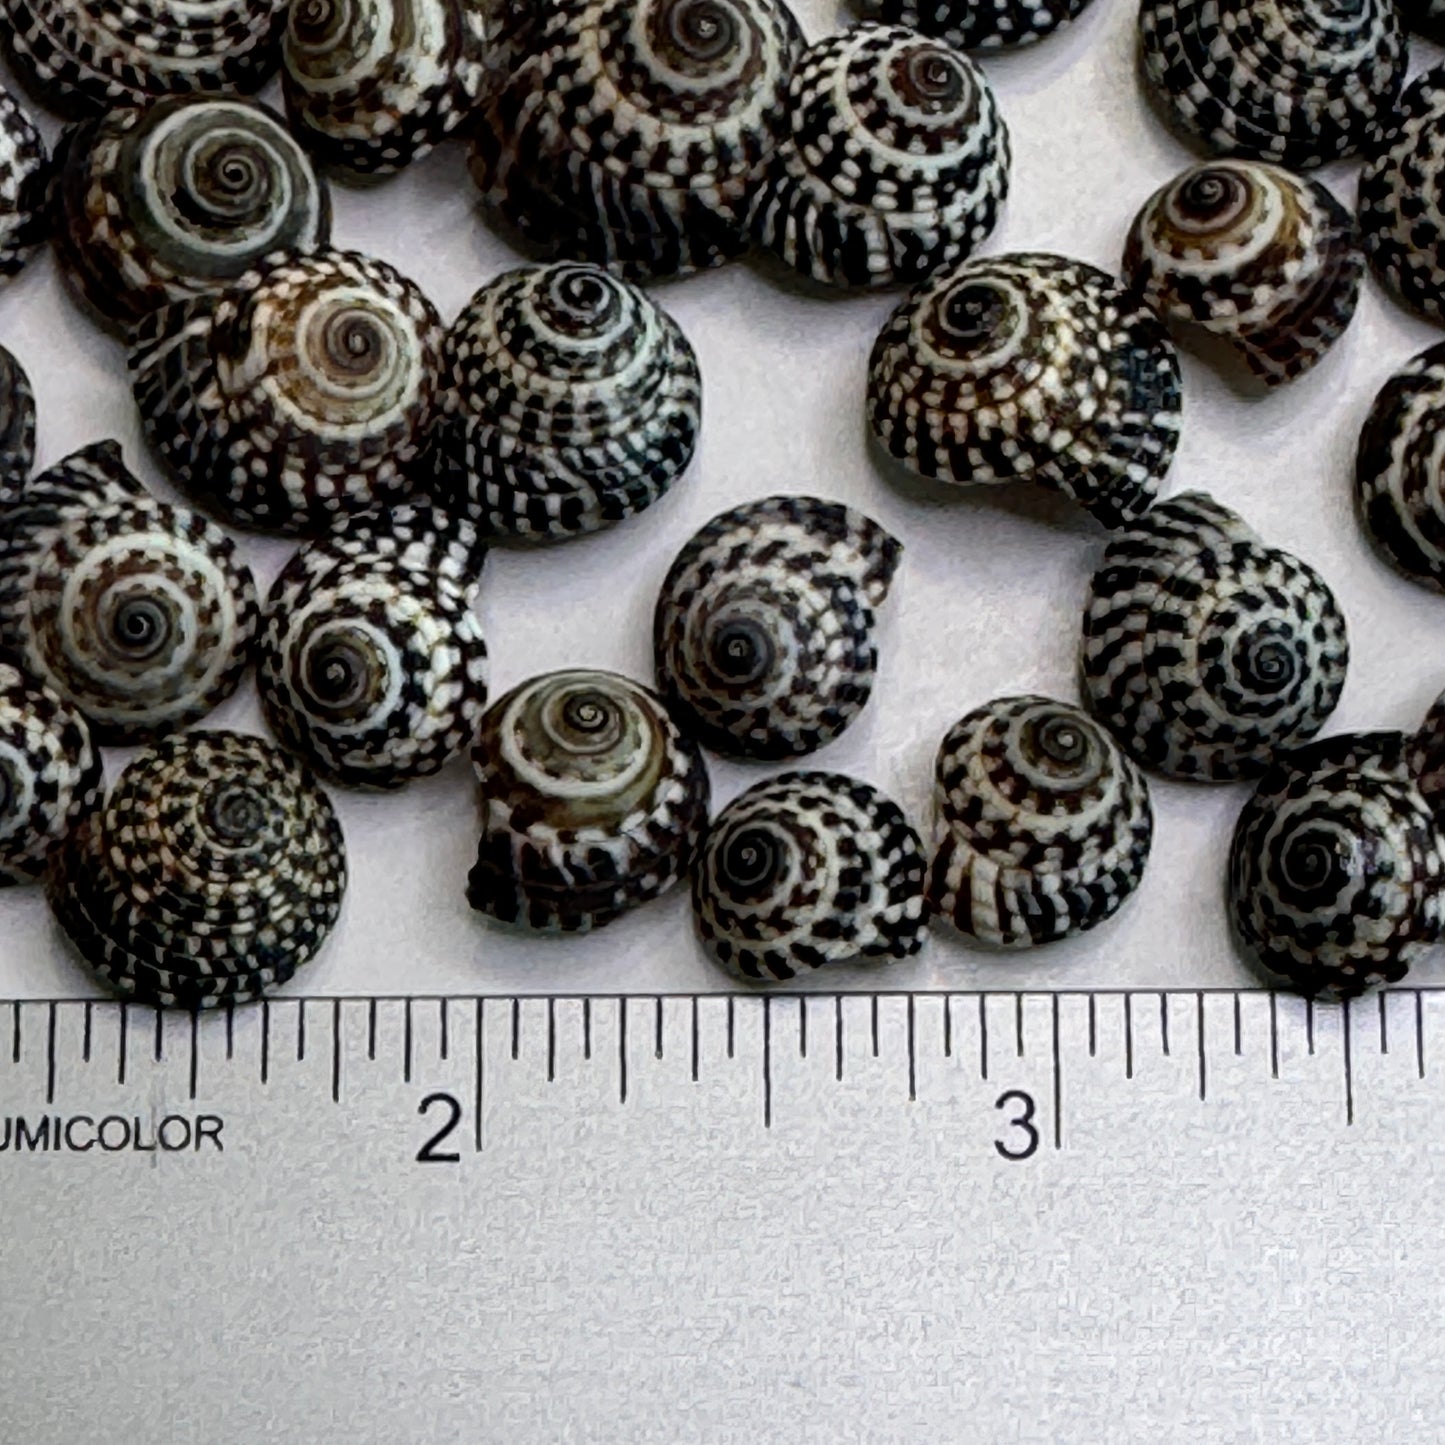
[806,870]
[302,393]
[569,402]
[592,802]
[763,633]
[139,614]
[1337,867]
[1205,651]
[24,181]
[1265,260]
[976,24]
[371,664]
[895,164]
[215,870]
[49,774]
[1043,825]
[634,132]
[1030,368]
[17,427]
[1300,82]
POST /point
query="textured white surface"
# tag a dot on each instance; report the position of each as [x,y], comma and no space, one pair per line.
[988,599]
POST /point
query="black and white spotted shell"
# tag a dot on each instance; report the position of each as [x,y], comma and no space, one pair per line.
[25,173]
[1043,824]
[17,427]
[178,199]
[1030,368]
[371,664]
[85,56]
[1337,870]
[49,774]
[635,132]
[1205,651]
[806,870]
[372,85]
[976,24]
[140,615]
[300,394]
[569,401]
[1267,261]
[1300,82]
[593,802]
[1402,198]
[763,632]
[895,163]
[214,871]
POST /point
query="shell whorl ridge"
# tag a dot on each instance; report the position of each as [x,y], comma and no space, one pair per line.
[25,173]
[302,393]
[1268,261]
[1030,368]
[372,85]
[1402,198]
[895,163]
[763,633]
[809,869]
[84,56]
[1337,869]
[633,133]
[213,872]
[976,24]
[17,427]
[569,401]
[139,614]
[180,198]
[1206,651]
[592,802]
[49,774]
[370,664]
[1300,82]
[1043,824]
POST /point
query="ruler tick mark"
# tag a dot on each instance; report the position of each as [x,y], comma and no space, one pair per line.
[1093,1029]
[1310,1024]
[336,1051]
[1273,1034]
[696,1040]
[121,1046]
[1419,1034]
[50,1056]
[948,1026]
[85,1044]
[1058,1081]
[230,1031]
[768,1062]
[301,1031]
[657,1028]
[1019,1022]
[265,1039]
[1384,1026]
[15,1032]
[195,1052]
[371,1030]
[1349,1069]
[912,1055]
[443,1041]
[551,1040]
[802,1026]
[1238,1027]
[1164,1022]
[732,1030]
[160,1044]
[586,1028]
[983,1035]
[479,1072]
[622,1050]
[516,1028]
[1199,1007]
[406,1042]
[1128,1036]
[838,1037]
[875,1025]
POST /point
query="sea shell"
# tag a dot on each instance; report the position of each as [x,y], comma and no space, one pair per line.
[809,869]
[895,164]
[1030,368]
[1300,82]
[634,132]
[763,633]
[1266,260]
[24,181]
[49,774]
[1043,824]
[592,802]
[976,24]
[1402,212]
[371,664]
[17,427]
[85,56]
[1206,651]
[139,614]
[302,393]
[180,198]
[1338,865]
[213,873]
[569,401]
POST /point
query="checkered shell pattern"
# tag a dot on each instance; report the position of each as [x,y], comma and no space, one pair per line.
[25,173]
[17,427]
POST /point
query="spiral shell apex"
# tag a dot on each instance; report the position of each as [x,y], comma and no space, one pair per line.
[569,402]
[24,180]
[302,393]
[1265,260]
[976,24]
[895,164]
[1030,368]
[215,870]
[139,614]
[1205,651]
[763,633]
[1043,825]
[1300,82]
[592,802]
[806,870]
[371,664]
[178,199]
[634,132]
[49,774]
[17,427]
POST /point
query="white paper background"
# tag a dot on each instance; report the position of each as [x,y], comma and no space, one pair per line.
[987,601]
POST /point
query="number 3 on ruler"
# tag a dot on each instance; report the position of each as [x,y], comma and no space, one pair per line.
[1022,1122]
